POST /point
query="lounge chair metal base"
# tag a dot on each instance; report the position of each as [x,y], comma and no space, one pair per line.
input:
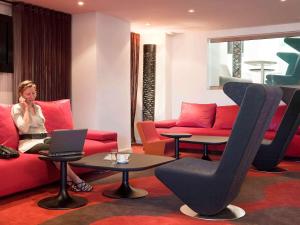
[231,212]
[274,170]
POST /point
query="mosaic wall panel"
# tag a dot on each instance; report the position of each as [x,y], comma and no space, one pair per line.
[236,58]
[149,65]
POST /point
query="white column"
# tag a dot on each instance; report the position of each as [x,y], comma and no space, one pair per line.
[101,74]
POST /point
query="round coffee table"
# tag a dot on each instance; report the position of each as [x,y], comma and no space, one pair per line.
[137,162]
[262,69]
[205,140]
[176,137]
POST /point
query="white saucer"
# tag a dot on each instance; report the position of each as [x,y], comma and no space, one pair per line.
[122,162]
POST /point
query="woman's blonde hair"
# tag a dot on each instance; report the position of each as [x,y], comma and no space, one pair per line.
[25,84]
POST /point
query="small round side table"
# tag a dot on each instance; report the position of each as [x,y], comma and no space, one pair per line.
[176,137]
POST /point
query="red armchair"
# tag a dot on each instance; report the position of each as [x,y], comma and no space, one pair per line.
[152,142]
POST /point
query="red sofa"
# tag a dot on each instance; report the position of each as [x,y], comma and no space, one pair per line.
[28,171]
[210,119]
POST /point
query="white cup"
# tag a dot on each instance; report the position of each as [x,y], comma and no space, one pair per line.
[122,158]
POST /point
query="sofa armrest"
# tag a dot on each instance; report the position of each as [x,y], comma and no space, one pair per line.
[298,131]
[101,135]
[165,123]
[155,147]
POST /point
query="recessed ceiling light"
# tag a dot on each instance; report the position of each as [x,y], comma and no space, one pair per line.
[191,10]
[148,24]
[282,0]
[80,3]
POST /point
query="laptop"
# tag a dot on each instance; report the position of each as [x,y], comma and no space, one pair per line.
[66,143]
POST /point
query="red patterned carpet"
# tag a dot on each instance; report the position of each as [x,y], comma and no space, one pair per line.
[268,199]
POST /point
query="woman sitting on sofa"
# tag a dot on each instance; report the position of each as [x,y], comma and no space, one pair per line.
[29,119]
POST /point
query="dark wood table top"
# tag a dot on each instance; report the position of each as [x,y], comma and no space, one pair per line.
[136,162]
[258,69]
[203,139]
[176,135]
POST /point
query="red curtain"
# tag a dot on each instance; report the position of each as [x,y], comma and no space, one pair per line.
[134,70]
[42,50]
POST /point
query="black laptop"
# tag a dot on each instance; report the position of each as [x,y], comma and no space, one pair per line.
[66,143]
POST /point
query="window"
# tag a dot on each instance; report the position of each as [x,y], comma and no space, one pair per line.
[6,50]
[273,61]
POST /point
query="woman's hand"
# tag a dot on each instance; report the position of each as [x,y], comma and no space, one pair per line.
[26,118]
[23,103]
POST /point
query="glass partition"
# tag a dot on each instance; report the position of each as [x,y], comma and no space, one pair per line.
[273,61]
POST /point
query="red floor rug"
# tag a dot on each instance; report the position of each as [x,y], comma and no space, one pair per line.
[268,199]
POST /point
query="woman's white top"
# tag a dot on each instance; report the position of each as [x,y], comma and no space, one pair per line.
[36,125]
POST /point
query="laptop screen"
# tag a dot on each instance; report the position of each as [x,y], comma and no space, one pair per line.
[67,141]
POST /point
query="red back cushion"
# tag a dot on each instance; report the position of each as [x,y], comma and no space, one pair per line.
[196,115]
[147,131]
[225,116]
[165,123]
[276,120]
[8,132]
[58,114]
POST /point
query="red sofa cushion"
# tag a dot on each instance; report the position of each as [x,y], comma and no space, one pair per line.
[101,135]
[276,120]
[225,116]
[196,115]
[165,123]
[93,147]
[25,172]
[8,132]
[58,114]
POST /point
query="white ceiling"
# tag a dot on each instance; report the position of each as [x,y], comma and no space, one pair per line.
[172,15]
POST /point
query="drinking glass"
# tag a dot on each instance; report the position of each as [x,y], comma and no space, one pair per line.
[114,156]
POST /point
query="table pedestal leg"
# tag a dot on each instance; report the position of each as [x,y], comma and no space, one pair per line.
[205,153]
[177,148]
[63,200]
[262,74]
[125,190]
